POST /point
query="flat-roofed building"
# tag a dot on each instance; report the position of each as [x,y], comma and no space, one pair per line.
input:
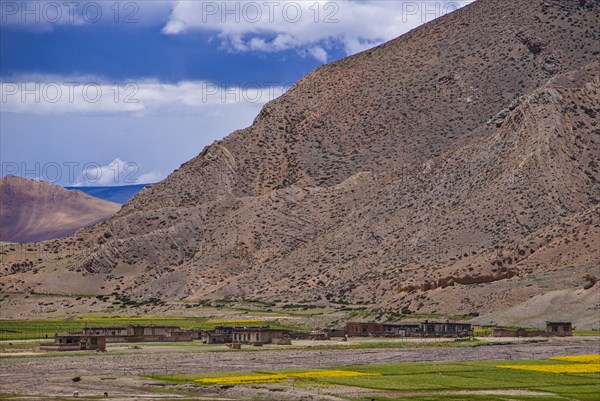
[75,342]
[559,329]
[401,329]
[446,329]
[360,329]
[262,335]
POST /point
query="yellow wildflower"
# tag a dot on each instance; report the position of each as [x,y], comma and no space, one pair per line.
[332,373]
[591,358]
[582,364]
[242,379]
[273,378]
[558,368]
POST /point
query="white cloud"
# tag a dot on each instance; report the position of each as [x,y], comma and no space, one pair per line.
[306,26]
[168,125]
[355,45]
[117,172]
[319,53]
[310,27]
[46,95]
[150,178]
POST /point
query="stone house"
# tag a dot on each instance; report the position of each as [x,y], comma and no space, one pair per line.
[262,335]
[559,329]
[401,329]
[75,342]
[358,329]
[138,333]
[106,331]
[211,337]
[446,329]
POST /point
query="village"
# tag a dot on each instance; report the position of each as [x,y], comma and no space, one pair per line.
[96,338]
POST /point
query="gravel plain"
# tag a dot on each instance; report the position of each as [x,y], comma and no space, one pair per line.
[118,373]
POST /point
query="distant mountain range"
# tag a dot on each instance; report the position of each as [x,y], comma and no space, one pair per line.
[35,210]
[116,194]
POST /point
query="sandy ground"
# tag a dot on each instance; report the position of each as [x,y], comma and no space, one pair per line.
[117,373]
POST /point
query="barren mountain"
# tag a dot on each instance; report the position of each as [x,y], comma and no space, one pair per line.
[454,169]
[35,211]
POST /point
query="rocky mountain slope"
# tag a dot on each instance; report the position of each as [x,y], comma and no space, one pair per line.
[454,169]
[35,211]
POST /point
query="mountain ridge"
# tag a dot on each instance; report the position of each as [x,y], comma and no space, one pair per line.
[33,211]
[410,176]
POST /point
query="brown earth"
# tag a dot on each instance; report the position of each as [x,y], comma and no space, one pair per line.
[33,211]
[116,372]
[454,169]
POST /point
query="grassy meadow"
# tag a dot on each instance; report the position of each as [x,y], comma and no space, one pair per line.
[532,380]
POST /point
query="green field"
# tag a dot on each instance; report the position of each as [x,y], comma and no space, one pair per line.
[426,381]
[589,333]
[40,329]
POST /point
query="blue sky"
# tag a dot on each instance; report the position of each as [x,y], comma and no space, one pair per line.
[112,93]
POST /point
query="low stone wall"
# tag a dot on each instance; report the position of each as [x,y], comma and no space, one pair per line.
[299,335]
[336,333]
[498,332]
[149,339]
[443,334]
[59,347]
